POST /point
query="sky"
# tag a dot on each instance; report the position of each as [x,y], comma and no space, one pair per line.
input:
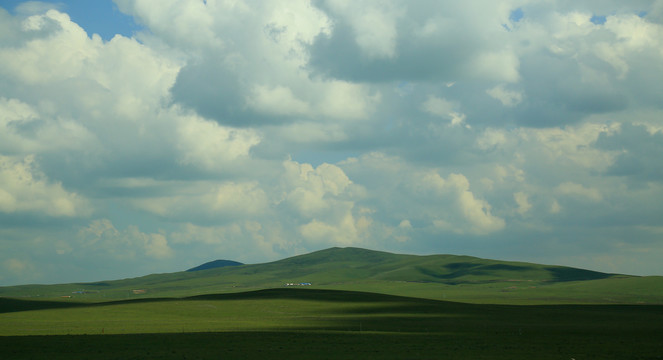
[150,136]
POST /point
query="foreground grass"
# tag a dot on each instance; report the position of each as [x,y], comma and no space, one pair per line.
[309,323]
[325,345]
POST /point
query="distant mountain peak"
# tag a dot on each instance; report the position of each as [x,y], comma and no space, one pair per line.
[215,264]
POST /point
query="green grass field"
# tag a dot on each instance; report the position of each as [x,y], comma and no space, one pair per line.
[299,323]
[441,277]
[361,304]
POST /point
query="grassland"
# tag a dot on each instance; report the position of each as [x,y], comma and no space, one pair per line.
[440,277]
[362,304]
[309,323]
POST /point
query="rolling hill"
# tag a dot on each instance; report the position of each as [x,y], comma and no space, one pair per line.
[448,277]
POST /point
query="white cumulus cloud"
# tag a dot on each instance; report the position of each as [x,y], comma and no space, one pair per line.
[24,188]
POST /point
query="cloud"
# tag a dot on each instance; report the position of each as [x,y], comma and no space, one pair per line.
[30,63]
[246,241]
[242,197]
[572,146]
[374,26]
[447,203]
[318,182]
[555,207]
[439,106]
[579,191]
[102,236]
[36,7]
[498,66]
[205,202]
[279,100]
[523,204]
[345,100]
[26,130]
[259,130]
[324,199]
[344,232]
[492,139]
[475,211]
[211,146]
[230,80]
[188,24]
[507,97]
[156,245]
[637,151]
[117,70]
[18,266]
[24,188]
[586,66]
[403,42]
[18,269]
[90,103]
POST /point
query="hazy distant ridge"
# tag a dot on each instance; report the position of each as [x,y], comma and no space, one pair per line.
[215,264]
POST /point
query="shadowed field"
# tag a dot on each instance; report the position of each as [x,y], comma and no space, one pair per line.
[326,324]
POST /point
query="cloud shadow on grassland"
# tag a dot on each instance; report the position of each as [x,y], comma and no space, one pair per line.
[14,304]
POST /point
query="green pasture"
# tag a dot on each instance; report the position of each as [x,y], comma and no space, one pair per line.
[362,304]
[440,277]
[612,290]
[298,323]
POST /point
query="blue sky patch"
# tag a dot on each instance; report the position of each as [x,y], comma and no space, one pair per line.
[516,15]
[96,17]
[598,19]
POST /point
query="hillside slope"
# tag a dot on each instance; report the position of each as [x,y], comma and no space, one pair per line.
[451,277]
[353,264]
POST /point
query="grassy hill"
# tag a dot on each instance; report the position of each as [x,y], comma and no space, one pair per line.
[448,277]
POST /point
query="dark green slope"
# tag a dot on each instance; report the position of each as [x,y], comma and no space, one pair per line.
[215,264]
